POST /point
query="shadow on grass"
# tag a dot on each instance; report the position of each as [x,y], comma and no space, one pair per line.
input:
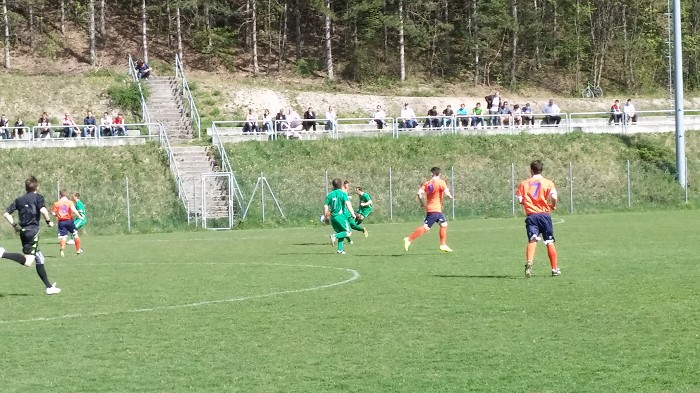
[379,255]
[326,243]
[13,294]
[496,276]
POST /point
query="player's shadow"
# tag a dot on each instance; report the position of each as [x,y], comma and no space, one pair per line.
[379,255]
[492,276]
[13,294]
[312,244]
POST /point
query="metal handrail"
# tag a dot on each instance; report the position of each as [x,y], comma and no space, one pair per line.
[226,164]
[165,142]
[145,116]
[187,93]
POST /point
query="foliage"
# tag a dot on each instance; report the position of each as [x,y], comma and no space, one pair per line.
[127,95]
[306,67]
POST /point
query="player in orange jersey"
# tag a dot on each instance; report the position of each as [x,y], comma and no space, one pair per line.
[432,191]
[538,196]
[64,209]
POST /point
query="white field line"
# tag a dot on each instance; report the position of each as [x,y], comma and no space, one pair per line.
[354,276]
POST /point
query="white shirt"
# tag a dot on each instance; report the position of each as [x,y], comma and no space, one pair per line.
[105,121]
[408,113]
[551,109]
[495,103]
[380,115]
[628,109]
[330,115]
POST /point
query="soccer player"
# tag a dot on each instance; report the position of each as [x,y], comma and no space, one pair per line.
[365,207]
[30,207]
[351,218]
[538,196]
[336,203]
[433,191]
[79,222]
[64,209]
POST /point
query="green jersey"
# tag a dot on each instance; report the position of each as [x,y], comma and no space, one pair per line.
[81,208]
[365,210]
[335,200]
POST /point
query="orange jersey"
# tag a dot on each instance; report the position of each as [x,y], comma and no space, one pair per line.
[62,209]
[434,190]
[534,194]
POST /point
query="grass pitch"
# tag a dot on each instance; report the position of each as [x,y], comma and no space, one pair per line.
[279,311]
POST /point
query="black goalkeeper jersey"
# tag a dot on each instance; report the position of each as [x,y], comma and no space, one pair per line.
[28,208]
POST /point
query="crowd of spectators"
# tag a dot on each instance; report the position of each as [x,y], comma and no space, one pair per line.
[496,112]
[65,127]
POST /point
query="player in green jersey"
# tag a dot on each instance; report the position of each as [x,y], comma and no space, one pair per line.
[79,222]
[365,207]
[354,224]
[336,204]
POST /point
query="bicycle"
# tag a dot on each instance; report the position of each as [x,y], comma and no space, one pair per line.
[592,91]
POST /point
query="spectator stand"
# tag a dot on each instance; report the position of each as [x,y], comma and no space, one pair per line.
[135,133]
[11,134]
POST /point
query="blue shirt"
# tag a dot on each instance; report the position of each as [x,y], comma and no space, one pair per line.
[462,111]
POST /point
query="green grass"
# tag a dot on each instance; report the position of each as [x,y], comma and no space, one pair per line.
[205,312]
[482,172]
[99,174]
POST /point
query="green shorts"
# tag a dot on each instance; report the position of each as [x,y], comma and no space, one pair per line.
[79,223]
[340,224]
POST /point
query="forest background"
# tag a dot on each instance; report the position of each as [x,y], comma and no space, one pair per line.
[558,46]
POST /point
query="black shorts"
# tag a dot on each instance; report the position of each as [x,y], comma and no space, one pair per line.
[30,240]
[540,224]
[66,227]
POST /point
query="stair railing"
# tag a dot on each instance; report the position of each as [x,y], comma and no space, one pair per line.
[187,94]
[165,142]
[145,117]
[226,164]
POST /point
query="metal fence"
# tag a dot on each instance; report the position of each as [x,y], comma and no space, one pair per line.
[483,191]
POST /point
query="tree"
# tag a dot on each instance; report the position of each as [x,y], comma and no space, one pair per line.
[179,30]
[402,58]
[103,24]
[144,30]
[6,42]
[91,32]
[254,36]
[327,39]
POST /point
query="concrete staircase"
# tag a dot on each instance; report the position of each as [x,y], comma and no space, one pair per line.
[191,161]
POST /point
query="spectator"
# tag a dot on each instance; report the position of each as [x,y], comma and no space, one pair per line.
[528,116]
[379,117]
[309,115]
[331,123]
[493,105]
[4,127]
[447,114]
[70,130]
[90,125]
[629,111]
[106,125]
[615,113]
[118,127]
[408,117]
[280,121]
[44,123]
[431,120]
[517,118]
[462,116]
[477,118]
[143,70]
[551,112]
[267,126]
[506,114]
[251,122]
[293,125]
[20,128]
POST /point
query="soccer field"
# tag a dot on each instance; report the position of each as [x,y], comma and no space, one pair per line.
[278,311]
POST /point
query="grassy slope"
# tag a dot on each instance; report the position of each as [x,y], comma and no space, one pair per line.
[99,174]
[482,166]
[623,317]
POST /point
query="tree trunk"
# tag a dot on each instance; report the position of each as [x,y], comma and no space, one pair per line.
[402,59]
[474,22]
[329,53]
[297,16]
[6,42]
[247,24]
[63,17]
[254,35]
[268,30]
[282,38]
[144,30]
[31,25]
[169,15]
[514,43]
[93,52]
[207,21]
[103,23]
[178,26]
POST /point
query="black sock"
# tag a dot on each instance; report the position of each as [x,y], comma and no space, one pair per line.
[14,256]
[41,271]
